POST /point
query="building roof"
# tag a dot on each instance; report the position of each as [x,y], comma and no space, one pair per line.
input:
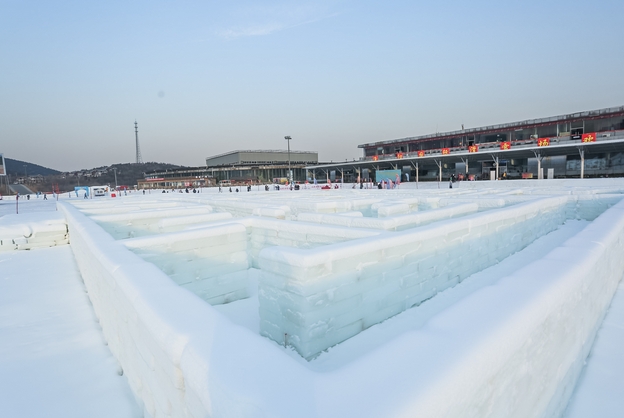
[263,151]
[591,114]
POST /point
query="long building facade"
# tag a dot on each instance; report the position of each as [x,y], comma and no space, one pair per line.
[587,143]
[245,167]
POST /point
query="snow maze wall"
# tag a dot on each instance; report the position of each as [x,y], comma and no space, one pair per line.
[325,267]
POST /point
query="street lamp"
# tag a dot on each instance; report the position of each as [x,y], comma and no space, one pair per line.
[288,138]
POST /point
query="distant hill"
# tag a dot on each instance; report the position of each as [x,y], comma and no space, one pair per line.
[20,168]
[127,175]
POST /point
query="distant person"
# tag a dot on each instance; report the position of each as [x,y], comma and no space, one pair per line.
[27,197]
[143,191]
[45,196]
[230,190]
[219,189]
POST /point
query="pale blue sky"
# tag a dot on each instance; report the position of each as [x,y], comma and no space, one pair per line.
[206,77]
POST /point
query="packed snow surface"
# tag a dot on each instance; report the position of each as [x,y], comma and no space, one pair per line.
[54,361]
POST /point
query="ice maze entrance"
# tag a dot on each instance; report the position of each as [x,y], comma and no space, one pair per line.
[325,266]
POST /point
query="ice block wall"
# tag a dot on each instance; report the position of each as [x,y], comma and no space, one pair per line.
[132,224]
[391,223]
[211,262]
[525,361]
[265,233]
[32,230]
[181,357]
[317,298]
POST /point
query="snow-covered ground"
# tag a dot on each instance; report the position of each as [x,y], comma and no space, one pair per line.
[508,340]
[54,361]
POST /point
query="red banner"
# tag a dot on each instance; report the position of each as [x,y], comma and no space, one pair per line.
[399,155]
[473,148]
[375,157]
[543,142]
[446,151]
[505,145]
[591,137]
[421,153]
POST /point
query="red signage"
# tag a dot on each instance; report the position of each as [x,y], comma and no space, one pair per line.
[505,145]
[421,153]
[591,137]
[399,155]
[446,151]
[473,148]
[375,157]
[543,142]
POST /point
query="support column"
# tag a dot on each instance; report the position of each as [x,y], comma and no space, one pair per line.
[540,173]
[416,167]
[582,152]
[439,163]
[465,161]
[495,158]
[496,163]
[416,175]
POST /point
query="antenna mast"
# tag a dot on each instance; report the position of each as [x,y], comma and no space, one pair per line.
[139,159]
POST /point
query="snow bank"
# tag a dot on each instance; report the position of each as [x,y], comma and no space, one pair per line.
[32,230]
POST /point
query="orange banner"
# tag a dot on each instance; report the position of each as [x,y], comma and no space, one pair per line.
[421,153]
[591,137]
[446,151]
[505,145]
[473,148]
[543,142]
[399,155]
[375,157]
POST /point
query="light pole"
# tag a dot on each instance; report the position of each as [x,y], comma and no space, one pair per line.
[288,138]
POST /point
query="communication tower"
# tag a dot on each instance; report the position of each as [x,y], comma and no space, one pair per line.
[139,159]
